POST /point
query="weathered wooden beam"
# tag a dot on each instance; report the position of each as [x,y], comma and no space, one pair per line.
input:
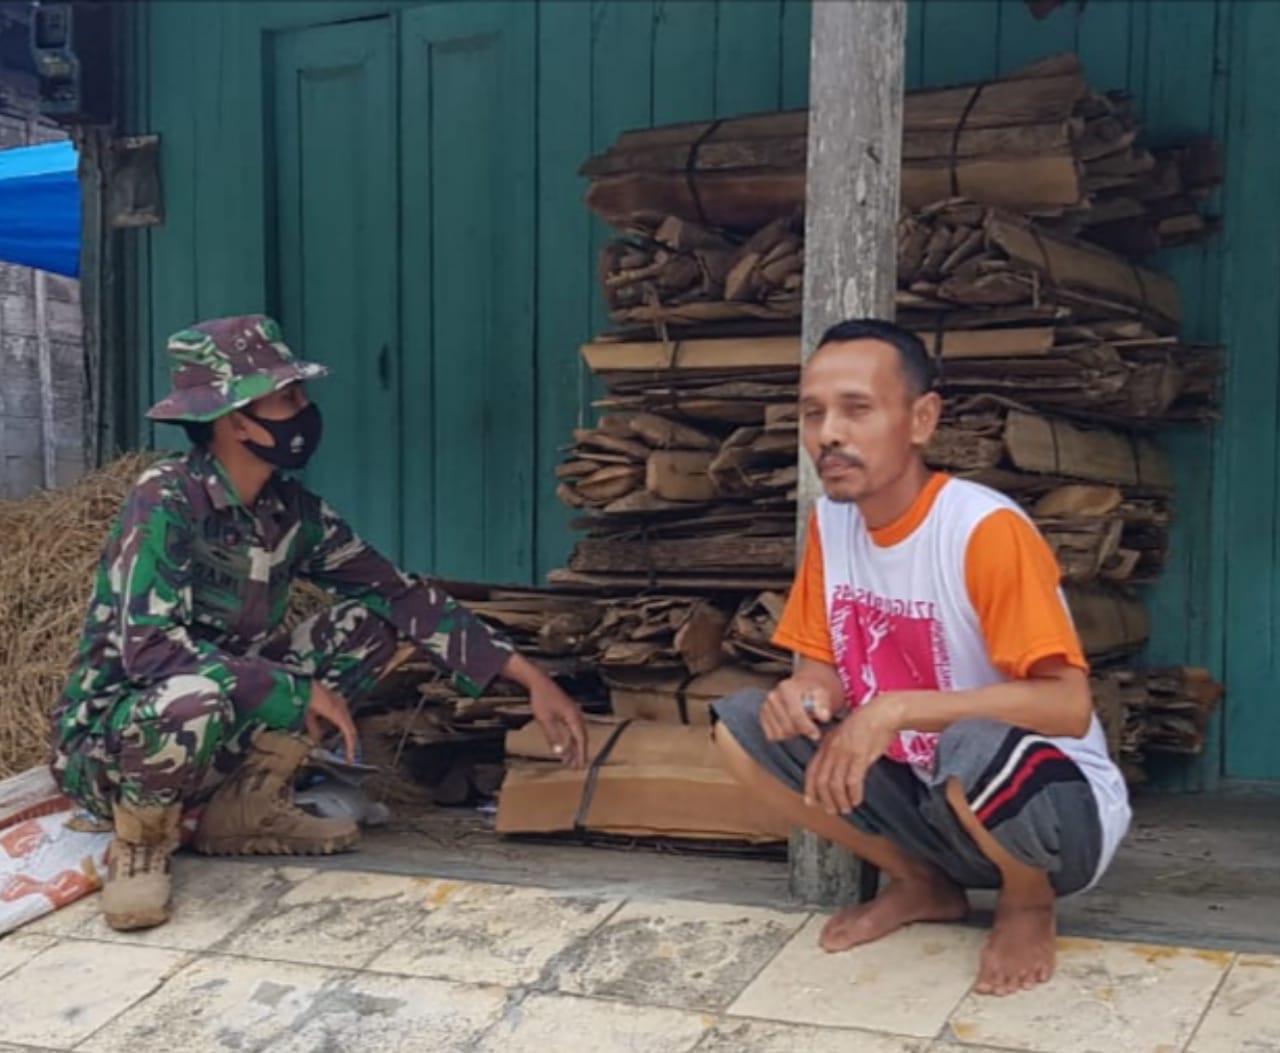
[857,53]
[44,360]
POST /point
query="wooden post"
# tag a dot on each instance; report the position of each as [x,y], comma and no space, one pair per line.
[856,57]
[44,360]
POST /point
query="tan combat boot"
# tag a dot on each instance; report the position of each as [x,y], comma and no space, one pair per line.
[253,813]
[136,892]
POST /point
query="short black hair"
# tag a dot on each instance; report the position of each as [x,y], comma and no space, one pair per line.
[199,432]
[917,365]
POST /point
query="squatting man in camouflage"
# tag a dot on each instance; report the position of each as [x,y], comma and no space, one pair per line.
[185,691]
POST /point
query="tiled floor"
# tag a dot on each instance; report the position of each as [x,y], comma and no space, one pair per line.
[265,958]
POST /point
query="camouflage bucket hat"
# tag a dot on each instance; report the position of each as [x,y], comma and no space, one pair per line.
[221,365]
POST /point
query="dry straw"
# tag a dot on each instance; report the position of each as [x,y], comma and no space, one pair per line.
[50,544]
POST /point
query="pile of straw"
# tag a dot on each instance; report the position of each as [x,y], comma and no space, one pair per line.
[52,542]
[51,545]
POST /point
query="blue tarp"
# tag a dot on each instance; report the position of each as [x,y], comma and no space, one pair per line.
[40,207]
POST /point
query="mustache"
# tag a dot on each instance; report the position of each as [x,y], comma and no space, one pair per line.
[838,456]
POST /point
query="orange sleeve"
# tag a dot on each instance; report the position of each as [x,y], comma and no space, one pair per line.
[1013,580]
[803,629]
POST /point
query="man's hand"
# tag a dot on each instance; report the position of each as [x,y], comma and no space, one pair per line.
[834,779]
[795,707]
[329,707]
[557,714]
[561,721]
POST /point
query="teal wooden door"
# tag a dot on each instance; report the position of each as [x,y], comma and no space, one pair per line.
[335,212]
[467,113]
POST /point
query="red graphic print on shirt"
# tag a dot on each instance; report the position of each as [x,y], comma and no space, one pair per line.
[890,645]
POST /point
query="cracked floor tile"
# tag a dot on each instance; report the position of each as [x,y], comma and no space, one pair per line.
[235,1004]
[498,934]
[674,953]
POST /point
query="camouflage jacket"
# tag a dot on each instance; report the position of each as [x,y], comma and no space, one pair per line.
[194,583]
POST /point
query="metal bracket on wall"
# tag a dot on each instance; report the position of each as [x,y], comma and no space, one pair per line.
[134,197]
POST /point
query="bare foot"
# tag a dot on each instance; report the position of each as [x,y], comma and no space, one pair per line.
[905,900]
[1020,951]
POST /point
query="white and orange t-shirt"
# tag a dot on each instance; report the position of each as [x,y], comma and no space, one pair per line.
[959,593]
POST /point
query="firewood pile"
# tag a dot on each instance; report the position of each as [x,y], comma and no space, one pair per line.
[1039,141]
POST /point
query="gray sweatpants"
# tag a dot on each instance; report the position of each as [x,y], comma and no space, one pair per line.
[1030,795]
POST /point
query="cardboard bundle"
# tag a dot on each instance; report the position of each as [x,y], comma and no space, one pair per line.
[645,779]
[677,697]
[433,741]
[1164,710]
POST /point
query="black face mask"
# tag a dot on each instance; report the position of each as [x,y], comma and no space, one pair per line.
[296,438]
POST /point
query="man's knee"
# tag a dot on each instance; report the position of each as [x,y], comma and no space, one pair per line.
[172,735]
[352,621]
[742,705]
[966,750]
[182,702]
[732,755]
[732,716]
[361,637]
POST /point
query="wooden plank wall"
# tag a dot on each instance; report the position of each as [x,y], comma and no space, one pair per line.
[1197,67]
[604,65]
[1245,561]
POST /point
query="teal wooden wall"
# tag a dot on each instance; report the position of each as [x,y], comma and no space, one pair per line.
[599,66]
[1196,66]
[203,72]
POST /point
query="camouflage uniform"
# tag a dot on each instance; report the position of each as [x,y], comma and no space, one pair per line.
[181,661]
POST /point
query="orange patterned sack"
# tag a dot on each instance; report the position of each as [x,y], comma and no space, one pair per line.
[44,863]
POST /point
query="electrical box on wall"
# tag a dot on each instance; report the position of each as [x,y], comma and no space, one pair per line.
[71,48]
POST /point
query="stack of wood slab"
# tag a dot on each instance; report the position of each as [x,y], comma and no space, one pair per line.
[659,779]
[1039,141]
[1027,203]
[661,660]
[434,741]
[1044,319]
[708,503]
[1164,710]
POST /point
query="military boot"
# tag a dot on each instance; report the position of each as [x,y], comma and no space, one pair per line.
[136,892]
[253,813]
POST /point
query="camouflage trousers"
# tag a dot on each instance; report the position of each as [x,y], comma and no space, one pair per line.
[176,741]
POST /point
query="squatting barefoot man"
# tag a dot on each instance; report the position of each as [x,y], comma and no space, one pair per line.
[939,723]
[185,690]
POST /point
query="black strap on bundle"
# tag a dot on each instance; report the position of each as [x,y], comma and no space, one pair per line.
[1142,286]
[939,335]
[650,567]
[691,169]
[593,775]
[682,700]
[1050,279]
[954,160]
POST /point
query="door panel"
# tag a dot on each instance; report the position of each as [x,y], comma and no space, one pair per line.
[467,237]
[334,170]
